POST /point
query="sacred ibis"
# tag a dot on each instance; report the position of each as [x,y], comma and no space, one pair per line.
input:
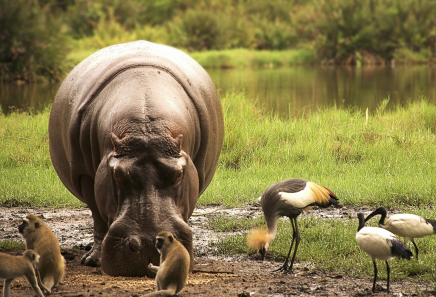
[380,244]
[409,226]
[288,198]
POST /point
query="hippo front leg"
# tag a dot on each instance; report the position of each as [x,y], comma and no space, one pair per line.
[93,257]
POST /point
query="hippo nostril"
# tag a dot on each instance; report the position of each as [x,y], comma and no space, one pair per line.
[134,243]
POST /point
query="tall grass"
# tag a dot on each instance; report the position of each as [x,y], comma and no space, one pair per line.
[387,158]
[27,176]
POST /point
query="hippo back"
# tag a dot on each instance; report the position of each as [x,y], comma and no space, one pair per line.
[90,77]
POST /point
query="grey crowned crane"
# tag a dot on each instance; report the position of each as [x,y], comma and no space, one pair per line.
[380,244]
[288,198]
[406,225]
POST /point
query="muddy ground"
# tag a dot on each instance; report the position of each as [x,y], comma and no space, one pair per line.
[214,275]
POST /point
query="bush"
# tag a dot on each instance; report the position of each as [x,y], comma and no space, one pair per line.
[31,42]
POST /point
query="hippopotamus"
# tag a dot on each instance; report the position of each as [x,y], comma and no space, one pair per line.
[135,132]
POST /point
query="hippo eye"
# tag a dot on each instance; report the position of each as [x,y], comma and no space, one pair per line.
[119,174]
[170,175]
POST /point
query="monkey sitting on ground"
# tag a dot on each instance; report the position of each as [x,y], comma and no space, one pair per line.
[26,265]
[172,273]
[40,238]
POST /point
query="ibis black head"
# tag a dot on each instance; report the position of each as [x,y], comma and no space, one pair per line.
[379,211]
[361,218]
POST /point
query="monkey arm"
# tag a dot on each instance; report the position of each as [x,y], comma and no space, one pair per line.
[152,268]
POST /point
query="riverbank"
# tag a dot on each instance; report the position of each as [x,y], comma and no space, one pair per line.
[326,264]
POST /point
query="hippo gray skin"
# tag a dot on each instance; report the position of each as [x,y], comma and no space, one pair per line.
[135,132]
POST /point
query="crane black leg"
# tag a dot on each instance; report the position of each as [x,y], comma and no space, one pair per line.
[416,248]
[297,242]
[375,276]
[284,267]
[388,270]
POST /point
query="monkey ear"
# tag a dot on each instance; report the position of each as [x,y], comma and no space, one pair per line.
[32,256]
[170,238]
[36,225]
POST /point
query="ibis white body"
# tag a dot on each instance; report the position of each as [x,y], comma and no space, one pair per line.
[409,226]
[376,242]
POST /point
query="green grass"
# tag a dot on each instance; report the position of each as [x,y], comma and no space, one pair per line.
[27,175]
[11,244]
[386,159]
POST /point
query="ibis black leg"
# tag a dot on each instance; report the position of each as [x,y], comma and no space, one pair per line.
[416,248]
[375,276]
[284,267]
[388,271]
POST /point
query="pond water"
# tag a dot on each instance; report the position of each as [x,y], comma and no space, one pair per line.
[288,91]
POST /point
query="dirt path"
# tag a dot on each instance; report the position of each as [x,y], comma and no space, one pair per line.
[213,275]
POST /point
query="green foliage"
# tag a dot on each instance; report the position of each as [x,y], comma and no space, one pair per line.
[31,42]
[351,29]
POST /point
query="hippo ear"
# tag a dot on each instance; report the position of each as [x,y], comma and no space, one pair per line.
[115,140]
[179,141]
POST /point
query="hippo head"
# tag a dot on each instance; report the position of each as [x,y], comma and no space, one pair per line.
[148,178]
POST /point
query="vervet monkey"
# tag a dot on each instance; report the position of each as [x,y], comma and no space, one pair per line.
[26,265]
[40,238]
[172,273]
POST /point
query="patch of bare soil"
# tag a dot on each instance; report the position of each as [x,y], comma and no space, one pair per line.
[212,276]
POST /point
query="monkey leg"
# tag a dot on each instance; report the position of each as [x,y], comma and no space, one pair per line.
[93,257]
[6,287]
[170,291]
[40,284]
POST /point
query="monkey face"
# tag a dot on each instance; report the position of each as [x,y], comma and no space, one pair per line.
[22,227]
[28,225]
[159,243]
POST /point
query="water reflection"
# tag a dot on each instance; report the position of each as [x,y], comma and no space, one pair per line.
[26,96]
[308,88]
[287,90]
